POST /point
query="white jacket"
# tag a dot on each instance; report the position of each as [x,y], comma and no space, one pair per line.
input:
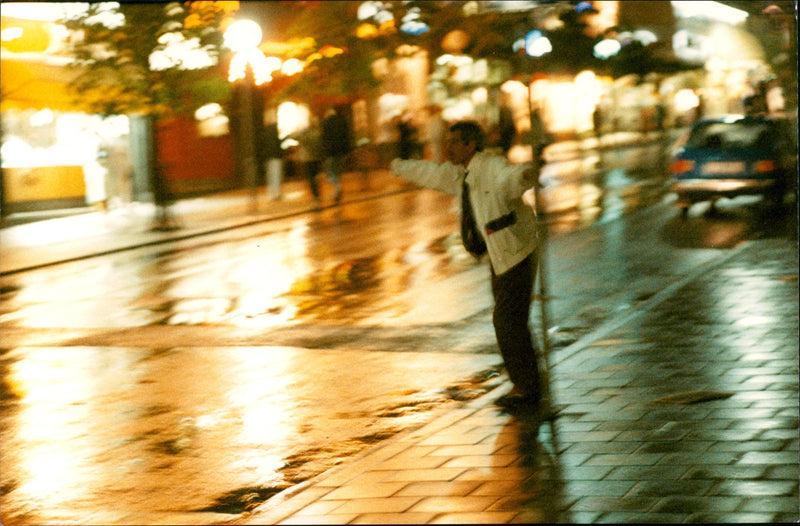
[507,224]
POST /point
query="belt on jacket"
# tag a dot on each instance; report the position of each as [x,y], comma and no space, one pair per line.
[501,222]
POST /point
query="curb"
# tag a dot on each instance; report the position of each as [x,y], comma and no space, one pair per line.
[160,238]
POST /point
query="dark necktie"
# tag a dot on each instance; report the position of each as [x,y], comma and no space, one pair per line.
[470,235]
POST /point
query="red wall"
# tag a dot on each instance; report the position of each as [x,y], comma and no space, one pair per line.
[193,163]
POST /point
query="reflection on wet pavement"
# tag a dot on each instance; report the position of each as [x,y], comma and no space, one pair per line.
[116,429]
[304,268]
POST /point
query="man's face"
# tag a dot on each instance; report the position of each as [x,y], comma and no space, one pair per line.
[456,150]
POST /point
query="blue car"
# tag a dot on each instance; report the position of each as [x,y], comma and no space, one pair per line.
[734,155]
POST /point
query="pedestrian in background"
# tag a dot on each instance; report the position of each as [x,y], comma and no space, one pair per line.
[337,143]
[273,153]
[506,129]
[407,136]
[538,136]
[490,191]
[308,155]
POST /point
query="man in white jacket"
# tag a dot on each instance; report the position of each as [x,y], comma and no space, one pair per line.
[508,226]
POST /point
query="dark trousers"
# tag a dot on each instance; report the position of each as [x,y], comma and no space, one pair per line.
[311,169]
[512,305]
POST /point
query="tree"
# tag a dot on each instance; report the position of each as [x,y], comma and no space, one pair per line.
[152,59]
[323,35]
[339,49]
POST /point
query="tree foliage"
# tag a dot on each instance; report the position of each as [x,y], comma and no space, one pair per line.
[114,46]
[320,27]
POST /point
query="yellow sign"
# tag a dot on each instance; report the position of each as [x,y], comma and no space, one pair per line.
[41,183]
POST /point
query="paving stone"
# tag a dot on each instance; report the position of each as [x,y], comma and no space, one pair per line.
[730,518]
[576,473]
[783,471]
[497,488]
[723,434]
[412,461]
[787,504]
[442,488]
[753,445]
[693,504]
[693,459]
[633,459]
[675,446]
[640,518]
[393,518]
[612,504]
[471,449]
[769,457]
[455,504]
[747,488]
[321,507]
[672,487]
[395,504]
[363,491]
[724,472]
[766,424]
[598,488]
[414,475]
[319,519]
[604,447]
[487,517]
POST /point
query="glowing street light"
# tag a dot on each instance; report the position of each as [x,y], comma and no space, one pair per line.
[536,44]
[243,34]
[607,48]
[250,64]
[243,37]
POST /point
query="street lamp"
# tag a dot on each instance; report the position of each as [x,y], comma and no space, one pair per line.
[243,37]
[249,64]
[537,45]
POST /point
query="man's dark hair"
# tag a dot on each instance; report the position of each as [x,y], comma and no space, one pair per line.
[469,131]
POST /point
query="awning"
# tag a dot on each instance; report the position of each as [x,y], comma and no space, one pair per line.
[35,84]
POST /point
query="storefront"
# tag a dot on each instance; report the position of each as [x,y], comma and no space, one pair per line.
[54,156]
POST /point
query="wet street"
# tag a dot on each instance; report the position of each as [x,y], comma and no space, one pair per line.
[188,382]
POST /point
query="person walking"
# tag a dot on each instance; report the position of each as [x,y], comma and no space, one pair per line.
[490,191]
[273,153]
[506,128]
[308,155]
[407,137]
[336,145]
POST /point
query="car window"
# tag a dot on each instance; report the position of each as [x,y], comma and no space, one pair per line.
[731,135]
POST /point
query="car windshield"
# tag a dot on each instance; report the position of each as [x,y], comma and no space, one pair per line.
[730,135]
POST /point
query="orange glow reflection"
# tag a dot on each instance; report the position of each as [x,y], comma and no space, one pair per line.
[51,452]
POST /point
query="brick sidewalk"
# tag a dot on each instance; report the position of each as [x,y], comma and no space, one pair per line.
[685,411]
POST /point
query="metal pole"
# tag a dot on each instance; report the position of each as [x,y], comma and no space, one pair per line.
[249,140]
[541,223]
